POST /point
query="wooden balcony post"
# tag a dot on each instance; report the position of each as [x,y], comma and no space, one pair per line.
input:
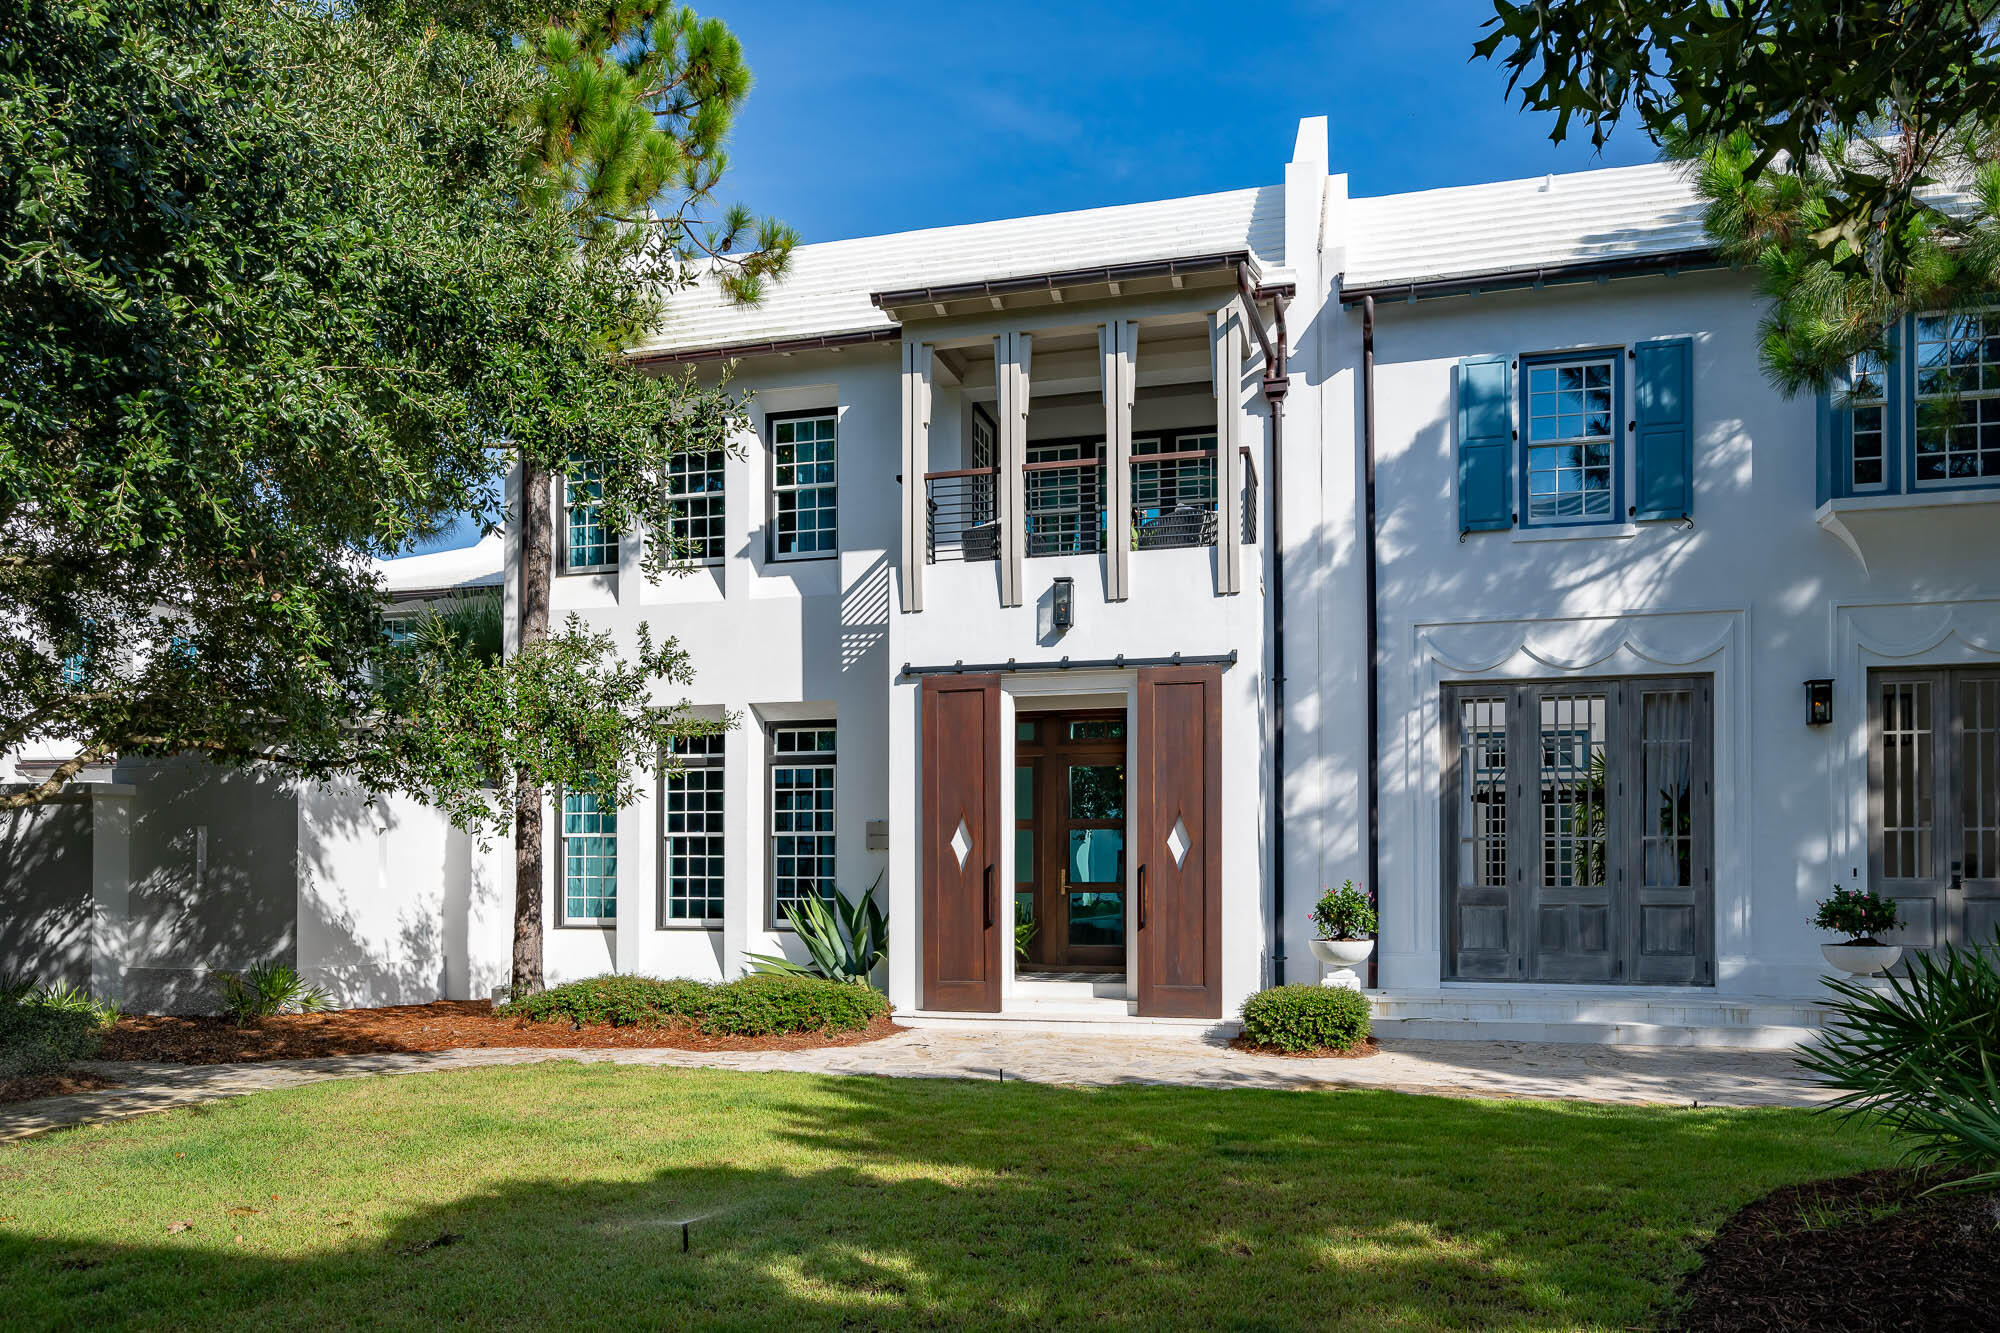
[1118,351]
[916,462]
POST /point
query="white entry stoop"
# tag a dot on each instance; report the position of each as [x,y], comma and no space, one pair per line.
[1074,1004]
[1600,1015]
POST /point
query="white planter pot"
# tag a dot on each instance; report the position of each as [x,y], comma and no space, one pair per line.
[1341,957]
[1862,960]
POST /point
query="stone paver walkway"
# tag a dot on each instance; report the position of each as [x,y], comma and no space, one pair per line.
[1681,1076]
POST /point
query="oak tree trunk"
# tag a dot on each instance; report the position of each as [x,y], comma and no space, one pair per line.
[537,553]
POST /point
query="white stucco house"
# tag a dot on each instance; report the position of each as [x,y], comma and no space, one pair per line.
[1105,584]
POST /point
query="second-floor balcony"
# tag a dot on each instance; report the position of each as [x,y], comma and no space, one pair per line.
[1174,501]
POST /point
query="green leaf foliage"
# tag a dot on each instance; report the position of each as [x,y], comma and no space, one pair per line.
[755,1006]
[46,1030]
[1794,78]
[286,285]
[264,990]
[1923,1055]
[1299,1018]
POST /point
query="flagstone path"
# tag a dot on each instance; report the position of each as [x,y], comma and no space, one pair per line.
[1681,1076]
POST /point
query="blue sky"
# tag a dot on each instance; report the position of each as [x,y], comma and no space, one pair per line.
[886,117]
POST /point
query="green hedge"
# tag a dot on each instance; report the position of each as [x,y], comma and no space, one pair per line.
[753,1006]
[46,1031]
[1306,1018]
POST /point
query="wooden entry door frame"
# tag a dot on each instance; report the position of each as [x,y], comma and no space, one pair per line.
[1050,755]
[1176,815]
[967,920]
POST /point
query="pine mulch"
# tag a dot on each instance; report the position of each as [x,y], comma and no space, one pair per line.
[1860,1253]
[32,1087]
[1361,1050]
[441,1026]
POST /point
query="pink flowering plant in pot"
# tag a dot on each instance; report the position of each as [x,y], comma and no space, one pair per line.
[1345,913]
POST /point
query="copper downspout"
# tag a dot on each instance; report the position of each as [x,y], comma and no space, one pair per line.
[1277,381]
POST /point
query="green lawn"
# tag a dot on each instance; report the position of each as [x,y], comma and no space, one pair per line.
[878,1202]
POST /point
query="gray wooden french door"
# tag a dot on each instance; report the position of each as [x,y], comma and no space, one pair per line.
[1579,831]
[1934,803]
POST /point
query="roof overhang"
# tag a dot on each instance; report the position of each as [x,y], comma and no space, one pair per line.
[1553,275]
[1072,286]
[767,347]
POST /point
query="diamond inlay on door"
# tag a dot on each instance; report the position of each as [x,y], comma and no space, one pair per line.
[1178,841]
[961,842]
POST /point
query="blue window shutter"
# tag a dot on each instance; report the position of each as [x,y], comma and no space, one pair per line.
[1663,418]
[1485,445]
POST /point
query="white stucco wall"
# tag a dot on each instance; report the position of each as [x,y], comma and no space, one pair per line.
[1754,592]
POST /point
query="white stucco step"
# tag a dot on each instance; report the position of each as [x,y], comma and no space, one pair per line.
[1080,1018]
[1554,1014]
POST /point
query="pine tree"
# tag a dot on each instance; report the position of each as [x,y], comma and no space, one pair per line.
[627,147]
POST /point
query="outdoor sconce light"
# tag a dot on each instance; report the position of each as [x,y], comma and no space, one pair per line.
[1819,702]
[1062,605]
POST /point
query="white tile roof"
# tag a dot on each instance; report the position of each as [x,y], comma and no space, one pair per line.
[481,565]
[1572,218]
[828,287]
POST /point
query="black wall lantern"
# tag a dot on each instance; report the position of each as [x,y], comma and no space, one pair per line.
[1062,605]
[1819,702]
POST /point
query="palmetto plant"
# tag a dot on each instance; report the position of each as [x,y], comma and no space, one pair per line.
[1924,1055]
[264,989]
[844,939]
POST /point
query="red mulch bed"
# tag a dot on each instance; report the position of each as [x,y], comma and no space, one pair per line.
[1856,1253]
[1366,1047]
[443,1026]
[28,1087]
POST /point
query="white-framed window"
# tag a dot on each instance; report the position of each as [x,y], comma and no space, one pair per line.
[588,545]
[589,860]
[1569,447]
[695,483]
[692,835]
[804,486]
[1868,396]
[802,764]
[1958,399]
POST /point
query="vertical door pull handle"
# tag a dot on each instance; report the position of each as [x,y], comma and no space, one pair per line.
[1957,876]
[1142,897]
[989,895]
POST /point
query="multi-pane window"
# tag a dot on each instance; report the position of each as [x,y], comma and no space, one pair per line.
[802,814]
[694,482]
[1570,449]
[587,543]
[1868,394]
[1173,491]
[1578,819]
[1064,487]
[803,471]
[691,857]
[589,859]
[1958,398]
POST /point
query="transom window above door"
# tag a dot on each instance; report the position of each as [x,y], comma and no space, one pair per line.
[1570,462]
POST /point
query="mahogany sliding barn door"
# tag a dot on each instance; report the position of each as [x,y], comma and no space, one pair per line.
[968,922]
[1177,809]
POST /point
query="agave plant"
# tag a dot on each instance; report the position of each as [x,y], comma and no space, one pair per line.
[844,939]
[1924,1055]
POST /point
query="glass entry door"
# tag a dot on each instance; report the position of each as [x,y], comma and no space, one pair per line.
[1069,812]
[1934,803]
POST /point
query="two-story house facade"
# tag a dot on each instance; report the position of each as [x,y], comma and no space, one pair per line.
[1104,584]
[1100,586]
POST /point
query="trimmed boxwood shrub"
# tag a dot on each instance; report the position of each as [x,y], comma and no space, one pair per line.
[763,1005]
[1299,1018]
[621,1001]
[758,1005]
[46,1031]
